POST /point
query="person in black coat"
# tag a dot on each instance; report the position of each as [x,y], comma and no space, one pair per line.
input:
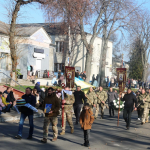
[78,104]
[130,100]
[25,111]
[77,74]
[8,94]
[37,86]
[59,74]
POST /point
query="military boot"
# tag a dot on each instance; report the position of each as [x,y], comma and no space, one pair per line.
[72,130]
[62,133]
[54,139]
[44,140]
[142,123]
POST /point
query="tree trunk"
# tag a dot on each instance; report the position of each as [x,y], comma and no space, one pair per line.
[12,37]
[145,73]
[103,64]
[88,65]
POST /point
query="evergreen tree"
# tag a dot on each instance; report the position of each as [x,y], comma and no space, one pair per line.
[135,63]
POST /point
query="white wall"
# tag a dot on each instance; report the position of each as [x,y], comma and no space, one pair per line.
[79,55]
[96,57]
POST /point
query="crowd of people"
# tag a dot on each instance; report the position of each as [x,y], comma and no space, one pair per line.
[81,75]
[79,103]
[131,83]
[137,83]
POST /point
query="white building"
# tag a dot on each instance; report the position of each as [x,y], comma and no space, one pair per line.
[59,49]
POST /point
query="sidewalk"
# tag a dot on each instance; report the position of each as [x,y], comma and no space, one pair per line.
[13,116]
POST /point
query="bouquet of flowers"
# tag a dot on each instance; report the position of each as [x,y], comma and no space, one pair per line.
[116,104]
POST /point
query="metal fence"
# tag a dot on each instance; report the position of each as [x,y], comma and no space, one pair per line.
[44,74]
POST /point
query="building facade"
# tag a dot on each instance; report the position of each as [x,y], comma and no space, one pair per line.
[45,47]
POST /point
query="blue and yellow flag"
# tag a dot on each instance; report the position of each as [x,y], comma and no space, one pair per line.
[84,86]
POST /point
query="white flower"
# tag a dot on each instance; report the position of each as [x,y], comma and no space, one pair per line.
[121,106]
[117,106]
[117,102]
[118,98]
[114,101]
[124,102]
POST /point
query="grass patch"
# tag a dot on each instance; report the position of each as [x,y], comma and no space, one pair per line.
[20,88]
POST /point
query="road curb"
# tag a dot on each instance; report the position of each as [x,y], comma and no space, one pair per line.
[17,118]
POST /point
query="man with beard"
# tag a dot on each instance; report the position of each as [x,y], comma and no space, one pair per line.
[51,117]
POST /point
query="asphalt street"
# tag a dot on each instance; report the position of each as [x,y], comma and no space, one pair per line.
[105,135]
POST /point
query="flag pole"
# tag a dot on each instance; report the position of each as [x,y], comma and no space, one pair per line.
[120,93]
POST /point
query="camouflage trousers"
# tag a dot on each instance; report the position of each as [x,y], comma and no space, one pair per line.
[98,107]
[91,107]
[144,115]
[47,121]
[68,118]
[147,114]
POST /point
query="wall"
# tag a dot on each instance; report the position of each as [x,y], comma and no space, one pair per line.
[28,59]
[108,70]
[79,54]
[59,57]
[95,64]
[3,77]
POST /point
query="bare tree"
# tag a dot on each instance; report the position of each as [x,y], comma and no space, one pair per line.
[116,17]
[103,17]
[14,14]
[141,31]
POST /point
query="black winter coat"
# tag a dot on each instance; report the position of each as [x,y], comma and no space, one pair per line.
[79,96]
[31,100]
[129,99]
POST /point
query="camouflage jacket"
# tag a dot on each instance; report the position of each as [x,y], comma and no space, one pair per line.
[141,101]
[102,96]
[91,98]
[69,102]
[149,102]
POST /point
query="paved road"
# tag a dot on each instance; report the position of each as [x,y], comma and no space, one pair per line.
[105,135]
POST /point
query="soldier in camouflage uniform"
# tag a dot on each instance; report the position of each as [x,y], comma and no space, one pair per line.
[101,102]
[51,117]
[139,109]
[147,115]
[91,98]
[68,108]
[144,99]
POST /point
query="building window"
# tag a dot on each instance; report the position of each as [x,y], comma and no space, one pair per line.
[59,66]
[59,46]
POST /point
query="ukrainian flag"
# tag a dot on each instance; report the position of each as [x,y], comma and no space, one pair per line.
[84,86]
